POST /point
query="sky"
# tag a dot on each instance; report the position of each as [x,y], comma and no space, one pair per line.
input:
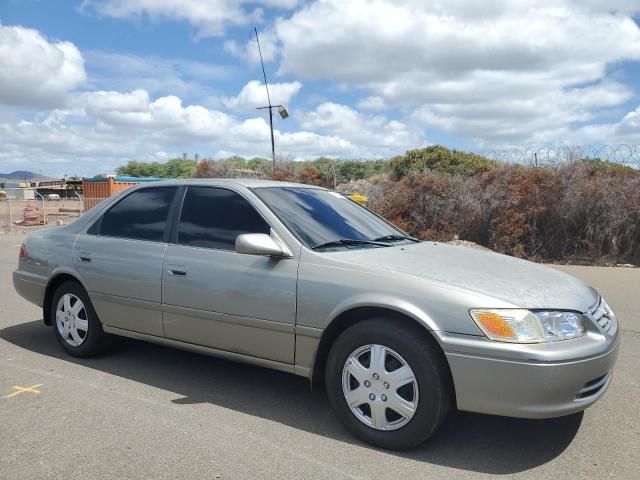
[87,85]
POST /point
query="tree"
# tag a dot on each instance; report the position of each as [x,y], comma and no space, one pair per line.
[258,164]
[236,162]
[180,168]
[174,168]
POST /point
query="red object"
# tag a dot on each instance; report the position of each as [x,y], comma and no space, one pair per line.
[23,251]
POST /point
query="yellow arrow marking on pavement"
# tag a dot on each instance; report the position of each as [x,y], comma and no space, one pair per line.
[19,390]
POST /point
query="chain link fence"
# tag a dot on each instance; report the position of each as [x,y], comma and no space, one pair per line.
[624,154]
[25,215]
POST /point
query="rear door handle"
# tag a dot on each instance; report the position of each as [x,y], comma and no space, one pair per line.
[84,257]
[177,270]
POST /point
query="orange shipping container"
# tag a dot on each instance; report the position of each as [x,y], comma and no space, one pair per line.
[97,189]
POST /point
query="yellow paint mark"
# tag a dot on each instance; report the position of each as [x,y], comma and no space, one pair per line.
[19,390]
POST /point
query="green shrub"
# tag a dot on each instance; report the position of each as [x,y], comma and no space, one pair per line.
[439,159]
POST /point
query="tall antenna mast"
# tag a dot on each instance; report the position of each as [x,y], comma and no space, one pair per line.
[270,107]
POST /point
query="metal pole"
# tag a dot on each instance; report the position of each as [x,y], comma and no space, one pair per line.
[266,86]
[273,142]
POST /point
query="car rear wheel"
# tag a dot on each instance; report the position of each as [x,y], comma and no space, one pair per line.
[388,383]
[76,324]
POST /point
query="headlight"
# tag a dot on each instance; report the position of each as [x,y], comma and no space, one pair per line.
[524,326]
[561,325]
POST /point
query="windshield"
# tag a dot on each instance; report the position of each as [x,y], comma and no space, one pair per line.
[319,217]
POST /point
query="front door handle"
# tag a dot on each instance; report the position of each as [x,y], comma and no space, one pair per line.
[177,270]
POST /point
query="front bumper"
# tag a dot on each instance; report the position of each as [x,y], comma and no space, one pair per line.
[530,381]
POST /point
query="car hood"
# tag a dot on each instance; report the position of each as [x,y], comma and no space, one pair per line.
[519,282]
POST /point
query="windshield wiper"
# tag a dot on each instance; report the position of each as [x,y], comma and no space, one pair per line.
[395,238]
[349,241]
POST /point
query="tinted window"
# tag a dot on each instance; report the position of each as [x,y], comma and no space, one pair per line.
[214,217]
[141,215]
[318,216]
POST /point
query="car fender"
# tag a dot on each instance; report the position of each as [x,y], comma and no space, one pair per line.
[388,302]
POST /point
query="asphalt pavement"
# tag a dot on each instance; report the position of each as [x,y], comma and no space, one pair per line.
[145,411]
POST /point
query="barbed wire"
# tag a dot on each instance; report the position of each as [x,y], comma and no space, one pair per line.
[626,154]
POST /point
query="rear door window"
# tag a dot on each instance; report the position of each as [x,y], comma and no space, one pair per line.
[214,217]
[141,215]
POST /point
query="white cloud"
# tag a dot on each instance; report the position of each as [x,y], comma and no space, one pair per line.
[513,121]
[104,129]
[618,134]
[210,17]
[62,143]
[303,145]
[630,125]
[249,51]
[375,135]
[619,6]
[254,94]
[165,115]
[36,72]
[451,60]
[372,103]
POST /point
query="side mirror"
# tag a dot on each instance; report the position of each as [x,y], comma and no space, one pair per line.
[259,244]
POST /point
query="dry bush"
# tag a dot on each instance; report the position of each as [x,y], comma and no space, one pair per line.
[587,211]
[214,169]
[300,172]
[600,214]
[432,206]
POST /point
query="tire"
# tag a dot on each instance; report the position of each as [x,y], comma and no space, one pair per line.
[89,338]
[428,392]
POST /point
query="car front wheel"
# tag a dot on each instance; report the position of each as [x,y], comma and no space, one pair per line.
[388,383]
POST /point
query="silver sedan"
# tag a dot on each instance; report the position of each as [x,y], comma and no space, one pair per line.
[304,280]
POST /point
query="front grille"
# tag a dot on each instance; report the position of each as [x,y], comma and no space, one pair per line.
[593,387]
[604,317]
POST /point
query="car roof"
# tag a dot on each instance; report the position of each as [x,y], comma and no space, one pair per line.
[243,182]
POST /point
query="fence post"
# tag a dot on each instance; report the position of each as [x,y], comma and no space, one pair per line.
[81,202]
[335,175]
[10,215]
[44,208]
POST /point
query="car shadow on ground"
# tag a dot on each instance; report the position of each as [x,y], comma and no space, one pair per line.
[480,443]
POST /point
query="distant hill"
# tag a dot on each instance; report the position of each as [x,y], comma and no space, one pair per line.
[19,175]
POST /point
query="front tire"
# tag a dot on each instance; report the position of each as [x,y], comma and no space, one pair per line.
[388,383]
[75,322]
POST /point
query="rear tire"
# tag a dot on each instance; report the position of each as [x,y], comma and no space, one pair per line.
[75,322]
[397,402]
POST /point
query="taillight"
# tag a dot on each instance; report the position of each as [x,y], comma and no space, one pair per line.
[23,251]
